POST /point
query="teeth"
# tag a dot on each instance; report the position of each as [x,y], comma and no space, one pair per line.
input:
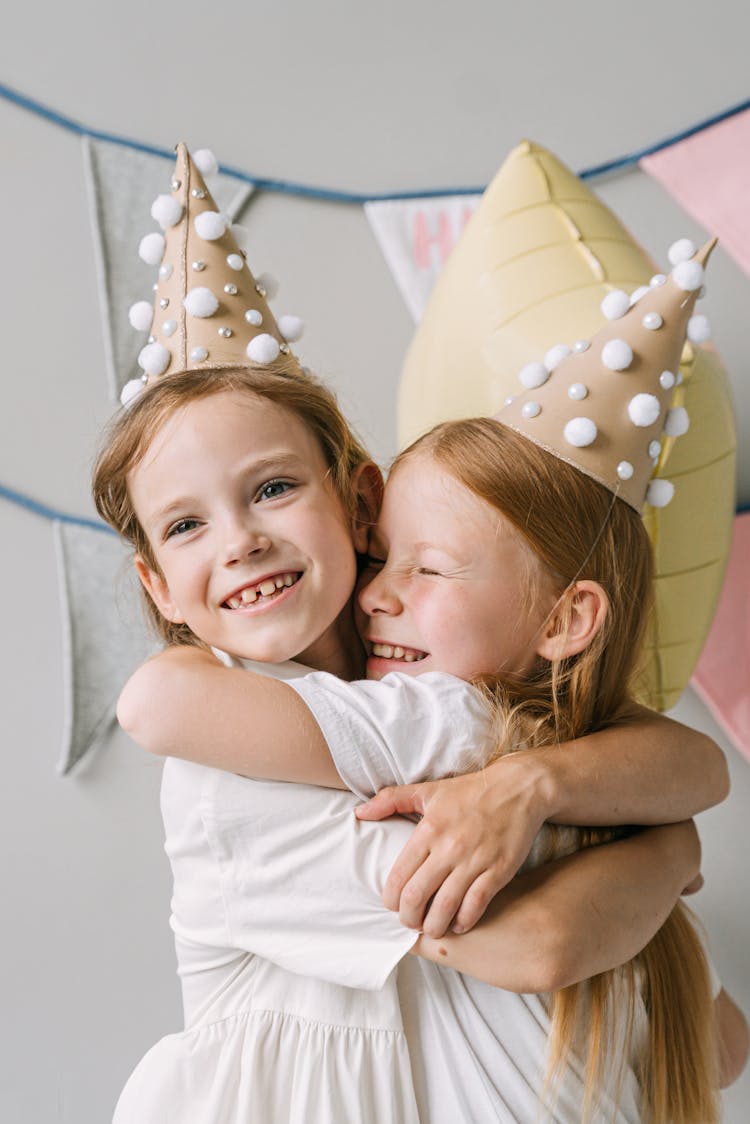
[279,582]
[267,588]
[248,596]
[288,579]
[409,657]
[398,652]
[234,602]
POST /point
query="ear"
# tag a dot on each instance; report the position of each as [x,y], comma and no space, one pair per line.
[574,622]
[368,496]
[158,590]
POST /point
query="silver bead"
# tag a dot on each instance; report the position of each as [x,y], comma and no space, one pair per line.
[198,354]
[155,287]
[510,400]
[580,346]
[231,289]
[198,193]
[577,391]
[168,328]
[164,302]
[152,339]
[176,184]
[625,470]
[199,266]
[225,332]
[531,410]
[253,317]
[260,290]
[165,271]
[654,449]
[284,348]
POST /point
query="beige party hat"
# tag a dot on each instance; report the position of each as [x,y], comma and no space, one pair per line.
[209,310]
[604,405]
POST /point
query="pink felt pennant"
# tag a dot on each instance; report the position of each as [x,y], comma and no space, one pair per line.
[722,677]
[708,175]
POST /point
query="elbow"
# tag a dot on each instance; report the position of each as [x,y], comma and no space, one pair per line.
[135,712]
[719,771]
[734,1040]
[555,962]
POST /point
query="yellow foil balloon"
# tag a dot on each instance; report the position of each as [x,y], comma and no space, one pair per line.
[529,272]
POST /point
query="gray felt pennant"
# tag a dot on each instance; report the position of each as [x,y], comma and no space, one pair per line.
[105,636]
[122,185]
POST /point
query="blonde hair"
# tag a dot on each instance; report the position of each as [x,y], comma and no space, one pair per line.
[134,428]
[578,529]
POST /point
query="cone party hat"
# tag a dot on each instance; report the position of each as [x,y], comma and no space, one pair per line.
[604,405]
[209,311]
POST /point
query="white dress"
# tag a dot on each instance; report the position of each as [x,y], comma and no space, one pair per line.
[294,1009]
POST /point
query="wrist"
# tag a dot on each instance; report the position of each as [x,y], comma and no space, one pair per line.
[532,782]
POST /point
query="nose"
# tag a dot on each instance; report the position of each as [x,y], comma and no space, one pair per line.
[243,539]
[379,595]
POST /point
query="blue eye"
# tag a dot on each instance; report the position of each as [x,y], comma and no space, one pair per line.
[181,527]
[273,489]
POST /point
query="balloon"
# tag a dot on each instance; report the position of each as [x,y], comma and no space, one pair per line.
[530,272]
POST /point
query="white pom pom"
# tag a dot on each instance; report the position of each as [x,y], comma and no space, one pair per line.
[617,355]
[660,492]
[241,235]
[644,409]
[580,432]
[263,349]
[698,329]
[210,225]
[141,316]
[533,375]
[681,250]
[554,357]
[206,162]
[636,295]
[658,280]
[615,304]
[151,248]
[200,302]
[154,359]
[677,422]
[291,328]
[131,390]
[688,276]
[269,283]
[166,210]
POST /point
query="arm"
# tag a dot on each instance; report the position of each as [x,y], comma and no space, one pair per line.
[575,917]
[185,703]
[478,829]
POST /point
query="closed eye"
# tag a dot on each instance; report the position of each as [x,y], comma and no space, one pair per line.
[430,573]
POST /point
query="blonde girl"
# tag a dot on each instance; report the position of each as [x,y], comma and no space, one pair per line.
[236,480]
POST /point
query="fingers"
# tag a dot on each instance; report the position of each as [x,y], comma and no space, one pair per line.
[411,859]
[402,799]
[476,899]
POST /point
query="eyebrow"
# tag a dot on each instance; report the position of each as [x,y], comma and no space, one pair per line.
[275,462]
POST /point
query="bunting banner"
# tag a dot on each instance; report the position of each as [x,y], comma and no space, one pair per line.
[416,237]
[721,677]
[105,636]
[708,174]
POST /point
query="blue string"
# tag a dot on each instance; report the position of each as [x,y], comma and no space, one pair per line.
[20,500]
[289,187]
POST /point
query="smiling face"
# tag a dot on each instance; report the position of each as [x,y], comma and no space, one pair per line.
[254,549]
[450,581]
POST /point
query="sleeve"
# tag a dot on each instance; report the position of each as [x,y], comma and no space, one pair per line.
[400,729]
[301,879]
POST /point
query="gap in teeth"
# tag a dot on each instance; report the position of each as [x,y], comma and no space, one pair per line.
[266,589]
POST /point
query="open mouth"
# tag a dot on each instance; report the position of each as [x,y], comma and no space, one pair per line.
[263,592]
[397,652]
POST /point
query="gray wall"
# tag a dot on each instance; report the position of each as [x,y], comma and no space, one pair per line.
[411,95]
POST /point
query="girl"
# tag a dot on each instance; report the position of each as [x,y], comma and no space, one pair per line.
[261,869]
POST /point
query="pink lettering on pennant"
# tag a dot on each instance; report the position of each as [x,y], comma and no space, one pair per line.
[426,239]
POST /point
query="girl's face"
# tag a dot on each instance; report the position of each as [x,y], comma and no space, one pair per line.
[450,582]
[254,548]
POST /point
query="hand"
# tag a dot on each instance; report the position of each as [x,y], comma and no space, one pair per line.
[475,833]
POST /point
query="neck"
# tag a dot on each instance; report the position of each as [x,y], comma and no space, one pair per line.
[339,650]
